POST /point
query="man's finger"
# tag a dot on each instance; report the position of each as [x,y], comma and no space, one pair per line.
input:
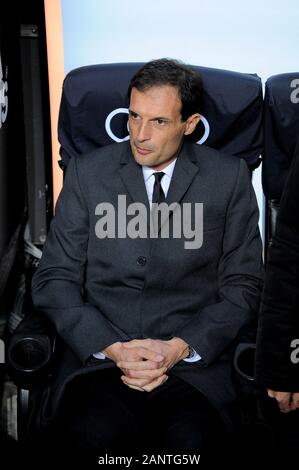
[285,410]
[295,399]
[271,393]
[135,388]
[146,385]
[145,374]
[155,383]
[134,343]
[135,381]
[138,365]
[147,353]
[284,400]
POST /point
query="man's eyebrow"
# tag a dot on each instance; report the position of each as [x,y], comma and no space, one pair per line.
[162,118]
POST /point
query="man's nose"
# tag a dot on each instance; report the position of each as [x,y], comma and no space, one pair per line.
[144,132]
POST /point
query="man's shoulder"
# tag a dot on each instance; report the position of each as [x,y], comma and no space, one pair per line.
[216,162]
[103,157]
[209,155]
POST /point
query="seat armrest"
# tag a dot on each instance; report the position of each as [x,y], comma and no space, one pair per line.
[244,362]
[30,352]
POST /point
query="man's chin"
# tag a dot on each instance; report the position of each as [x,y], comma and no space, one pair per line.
[143,160]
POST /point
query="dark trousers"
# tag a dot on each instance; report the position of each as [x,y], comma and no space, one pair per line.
[100,412]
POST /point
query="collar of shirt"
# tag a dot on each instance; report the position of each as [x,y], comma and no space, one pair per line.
[149,179]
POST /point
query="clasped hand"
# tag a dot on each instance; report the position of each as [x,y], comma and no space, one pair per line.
[287,401]
[145,362]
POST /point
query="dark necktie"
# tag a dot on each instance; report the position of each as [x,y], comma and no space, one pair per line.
[158,193]
[158,196]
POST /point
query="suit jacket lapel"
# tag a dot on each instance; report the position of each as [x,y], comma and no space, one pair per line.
[132,178]
[183,175]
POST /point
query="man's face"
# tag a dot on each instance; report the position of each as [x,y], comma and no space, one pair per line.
[156,128]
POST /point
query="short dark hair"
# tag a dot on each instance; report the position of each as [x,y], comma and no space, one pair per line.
[171,72]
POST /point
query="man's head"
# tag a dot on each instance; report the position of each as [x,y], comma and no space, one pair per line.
[165,98]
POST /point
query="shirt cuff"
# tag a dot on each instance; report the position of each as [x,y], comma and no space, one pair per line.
[194,358]
[99,355]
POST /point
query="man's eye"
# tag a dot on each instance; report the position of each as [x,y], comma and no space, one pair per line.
[161,122]
[133,115]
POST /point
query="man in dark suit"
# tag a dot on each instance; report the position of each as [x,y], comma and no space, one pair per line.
[144,309]
[277,355]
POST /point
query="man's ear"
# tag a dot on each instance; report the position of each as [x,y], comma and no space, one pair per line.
[191,123]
